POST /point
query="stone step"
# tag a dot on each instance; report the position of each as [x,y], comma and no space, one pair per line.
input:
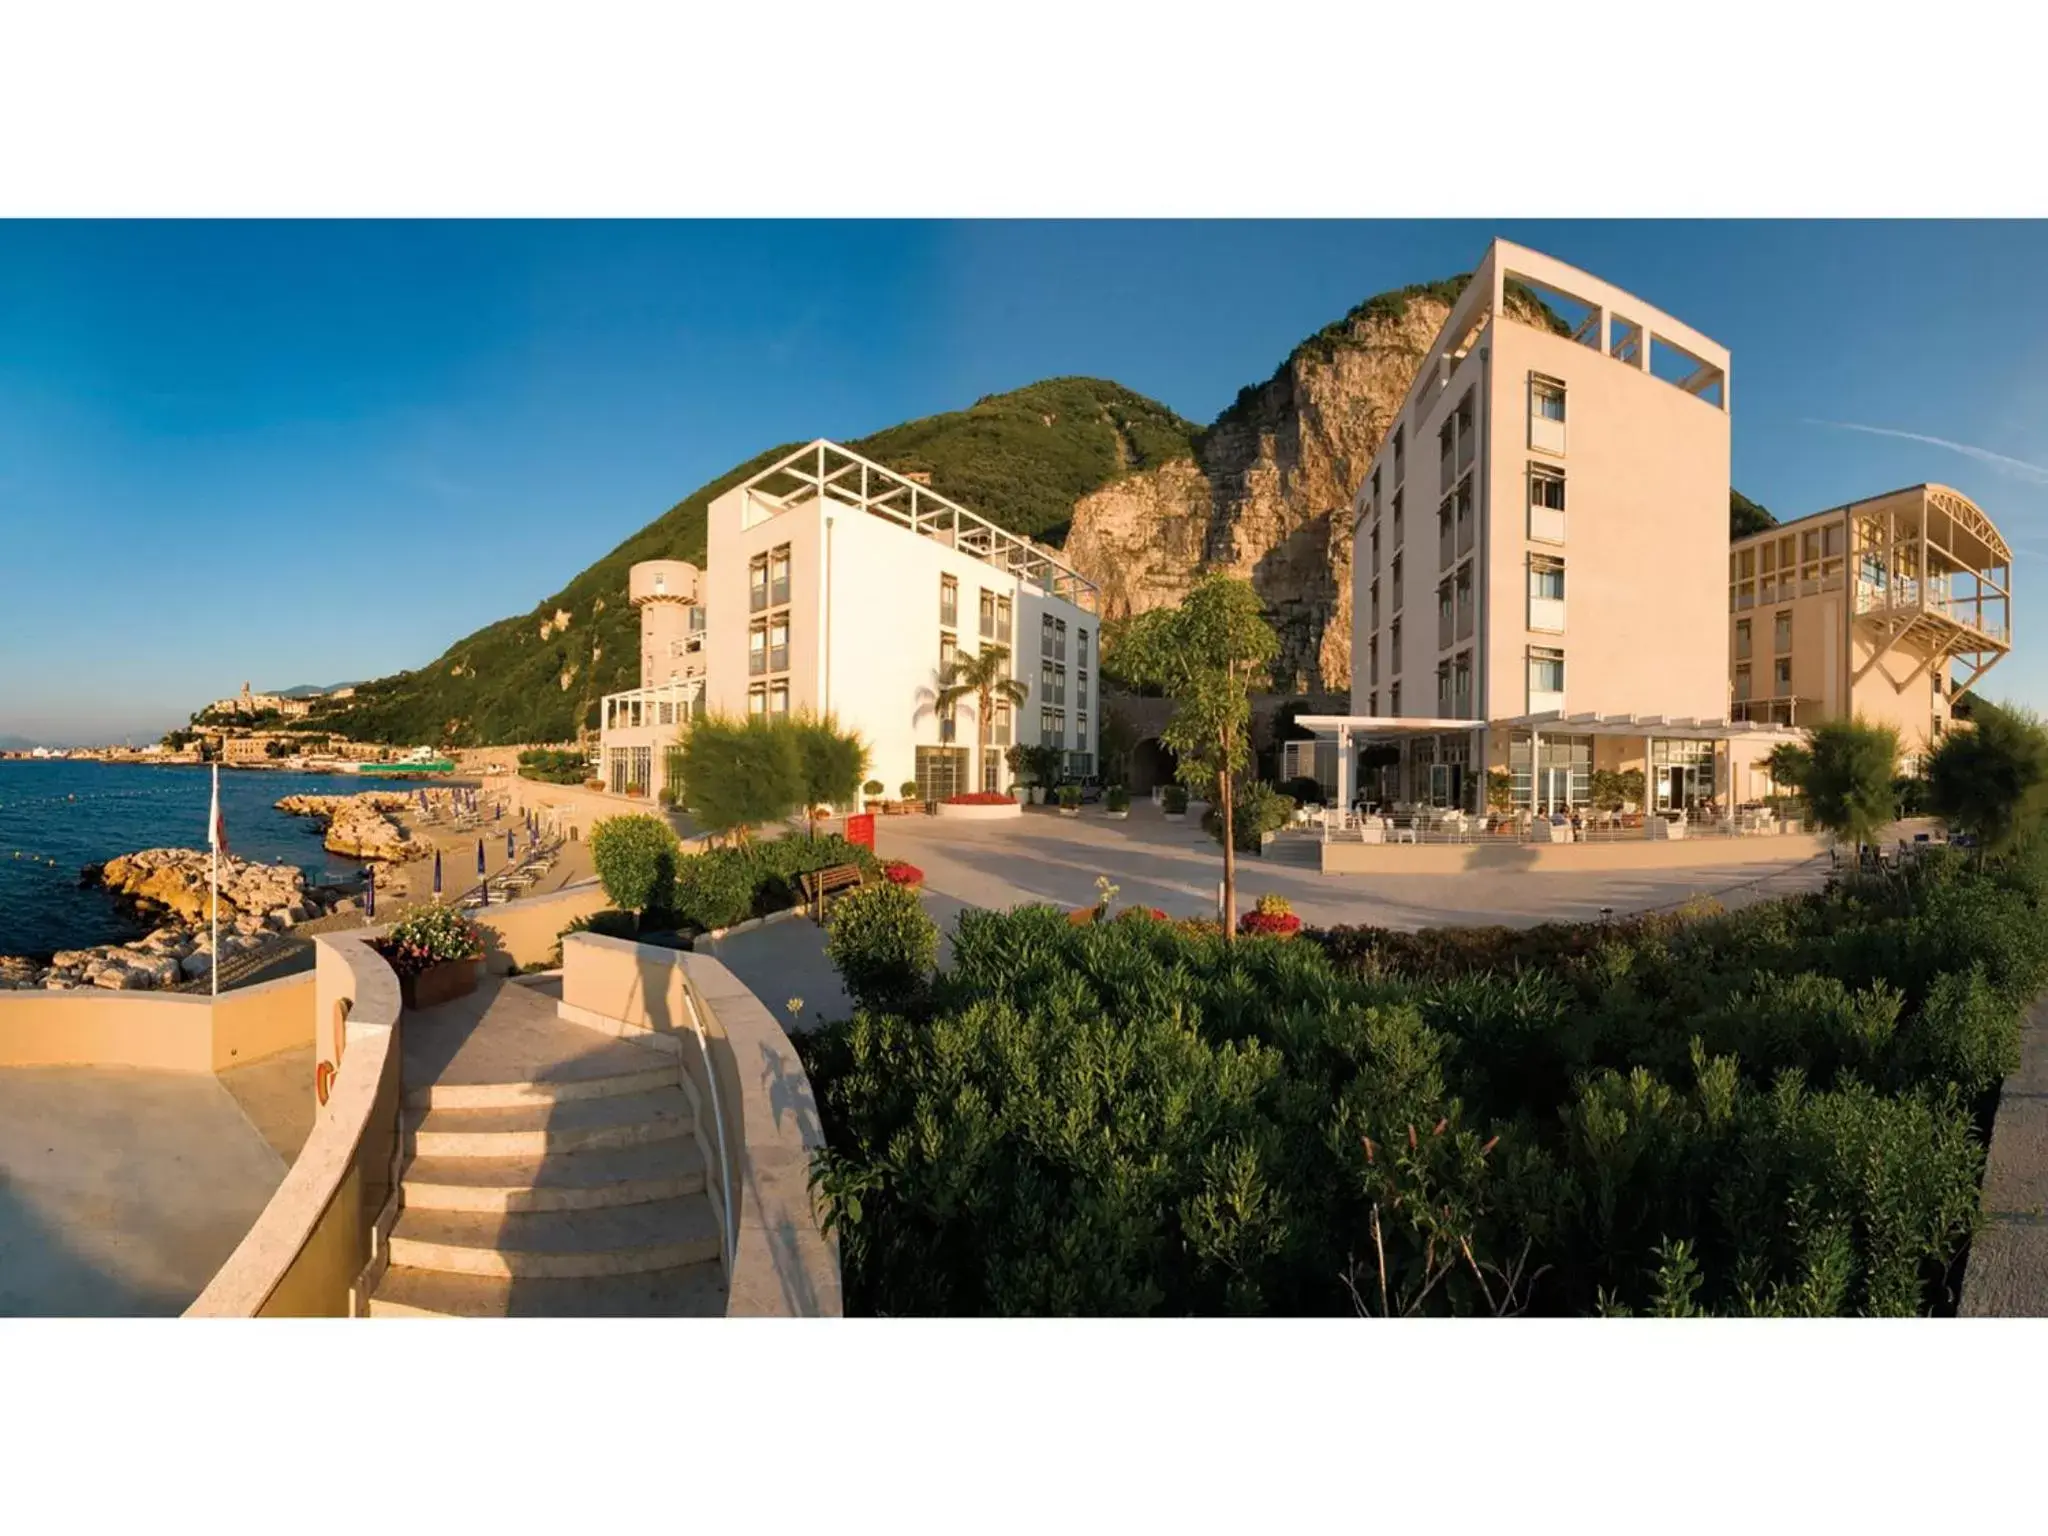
[695,1290]
[655,1170]
[576,1125]
[445,1095]
[559,1245]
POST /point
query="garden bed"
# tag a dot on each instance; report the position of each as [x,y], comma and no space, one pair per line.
[980,807]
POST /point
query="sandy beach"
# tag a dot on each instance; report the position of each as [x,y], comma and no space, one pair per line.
[413,881]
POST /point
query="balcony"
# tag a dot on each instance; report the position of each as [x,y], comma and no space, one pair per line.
[1443,628]
[1446,551]
[1546,524]
[1465,533]
[1546,435]
[1465,619]
[778,592]
[1547,613]
[1466,441]
[1543,701]
[663,708]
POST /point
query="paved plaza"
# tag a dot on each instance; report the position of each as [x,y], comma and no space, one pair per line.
[1175,866]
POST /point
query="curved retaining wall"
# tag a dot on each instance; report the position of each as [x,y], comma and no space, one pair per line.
[165,1031]
[307,1252]
[780,1264]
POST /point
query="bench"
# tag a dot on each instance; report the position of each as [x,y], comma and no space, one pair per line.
[820,885]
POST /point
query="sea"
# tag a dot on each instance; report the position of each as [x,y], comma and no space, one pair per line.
[58,816]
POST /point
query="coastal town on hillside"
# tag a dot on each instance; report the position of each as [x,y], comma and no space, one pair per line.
[839,951]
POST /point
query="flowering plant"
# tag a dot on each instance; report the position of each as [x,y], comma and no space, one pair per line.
[428,936]
[899,873]
[981,797]
[1270,905]
[1272,925]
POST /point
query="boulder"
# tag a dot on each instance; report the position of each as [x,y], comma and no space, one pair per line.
[194,966]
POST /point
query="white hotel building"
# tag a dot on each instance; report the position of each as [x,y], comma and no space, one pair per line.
[836,586]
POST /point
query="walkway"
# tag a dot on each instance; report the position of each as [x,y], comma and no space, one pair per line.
[551,1170]
[122,1190]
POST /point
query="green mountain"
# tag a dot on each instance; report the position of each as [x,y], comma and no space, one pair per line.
[1020,459]
[1746,517]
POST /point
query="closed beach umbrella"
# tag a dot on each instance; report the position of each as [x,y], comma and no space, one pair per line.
[479,855]
[370,891]
[510,848]
[437,872]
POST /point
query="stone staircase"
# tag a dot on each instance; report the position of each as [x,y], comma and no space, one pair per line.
[549,1170]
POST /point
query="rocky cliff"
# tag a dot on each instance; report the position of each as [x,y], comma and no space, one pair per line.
[1267,494]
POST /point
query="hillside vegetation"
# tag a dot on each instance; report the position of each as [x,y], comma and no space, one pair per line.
[1021,459]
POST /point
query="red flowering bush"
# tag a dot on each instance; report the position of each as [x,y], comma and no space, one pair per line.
[981,797]
[1271,925]
[1141,914]
[899,873]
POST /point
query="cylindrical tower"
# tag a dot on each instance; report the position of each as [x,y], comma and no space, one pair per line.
[668,595]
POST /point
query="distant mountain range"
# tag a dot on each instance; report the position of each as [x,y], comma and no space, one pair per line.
[17,743]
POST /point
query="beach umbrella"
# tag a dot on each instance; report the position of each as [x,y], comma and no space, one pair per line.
[370,891]
[510,848]
[480,856]
[437,872]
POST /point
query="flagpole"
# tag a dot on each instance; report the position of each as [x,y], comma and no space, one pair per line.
[213,839]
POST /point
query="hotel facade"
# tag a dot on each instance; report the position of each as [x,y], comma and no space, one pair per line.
[1538,558]
[838,586]
[640,726]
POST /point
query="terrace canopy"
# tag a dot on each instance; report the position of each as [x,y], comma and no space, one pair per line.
[1349,730]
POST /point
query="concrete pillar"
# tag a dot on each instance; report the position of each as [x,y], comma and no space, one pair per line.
[1343,768]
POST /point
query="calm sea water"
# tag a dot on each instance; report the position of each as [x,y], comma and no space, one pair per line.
[87,813]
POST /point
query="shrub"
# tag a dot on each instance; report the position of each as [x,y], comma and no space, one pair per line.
[1116,798]
[830,761]
[909,788]
[1259,809]
[1991,780]
[430,935]
[1174,800]
[548,766]
[1070,797]
[883,944]
[1848,777]
[1303,791]
[636,861]
[742,773]
[1272,925]
[872,789]
[717,889]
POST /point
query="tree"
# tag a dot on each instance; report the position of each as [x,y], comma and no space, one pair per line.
[1500,790]
[1746,517]
[983,676]
[1991,780]
[635,858]
[1848,778]
[831,762]
[1206,656]
[1117,739]
[741,773]
[1787,764]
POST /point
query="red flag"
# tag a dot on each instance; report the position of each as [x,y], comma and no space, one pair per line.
[217,831]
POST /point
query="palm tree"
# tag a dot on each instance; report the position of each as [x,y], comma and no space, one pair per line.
[983,676]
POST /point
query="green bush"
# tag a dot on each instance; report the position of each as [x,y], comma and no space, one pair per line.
[830,761]
[1069,797]
[872,789]
[909,789]
[1260,809]
[553,767]
[729,885]
[883,944]
[743,773]
[1776,1111]
[1303,791]
[1173,799]
[1116,798]
[636,861]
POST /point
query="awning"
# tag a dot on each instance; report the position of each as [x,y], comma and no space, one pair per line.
[1638,726]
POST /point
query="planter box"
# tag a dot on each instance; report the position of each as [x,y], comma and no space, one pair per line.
[439,984]
[1038,794]
[980,812]
[1070,810]
[1173,815]
[1117,815]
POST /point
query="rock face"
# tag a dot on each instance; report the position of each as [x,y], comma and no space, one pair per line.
[175,880]
[358,826]
[1268,495]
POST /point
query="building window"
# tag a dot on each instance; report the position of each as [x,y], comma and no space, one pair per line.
[1546,488]
[1372,661]
[1741,637]
[988,614]
[667,712]
[1400,451]
[1059,685]
[778,576]
[1059,640]
[1461,685]
[1394,649]
[1375,551]
[778,698]
[757,583]
[757,699]
[1397,583]
[757,648]
[1546,577]
[1081,728]
[1045,681]
[1394,700]
[949,652]
[1397,522]
[1781,676]
[1467,443]
[1372,704]
[1546,414]
[778,643]
[611,714]
[1052,727]
[1443,688]
[1081,649]
[1443,604]
[1546,670]
[1045,636]
[999,730]
[1742,683]
[941,772]
[1781,632]
[1003,621]
[1375,605]
[949,602]
[1446,446]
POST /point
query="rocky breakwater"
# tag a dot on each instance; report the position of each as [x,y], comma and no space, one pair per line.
[358,826]
[171,885]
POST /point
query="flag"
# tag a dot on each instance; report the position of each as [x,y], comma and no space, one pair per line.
[216,825]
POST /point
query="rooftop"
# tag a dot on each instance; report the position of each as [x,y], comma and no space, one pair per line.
[823,467]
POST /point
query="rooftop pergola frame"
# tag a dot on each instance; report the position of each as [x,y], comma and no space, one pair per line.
[1933,583]
[823,468]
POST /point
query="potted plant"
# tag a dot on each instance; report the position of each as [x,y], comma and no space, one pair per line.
[1173,802]
[1272,918]
[1116,803]
[909,788]
[1070,799]
[597,784]
[896,872]
[437,953]
[873,791]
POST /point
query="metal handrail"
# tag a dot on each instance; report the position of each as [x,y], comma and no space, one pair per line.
[728,1236]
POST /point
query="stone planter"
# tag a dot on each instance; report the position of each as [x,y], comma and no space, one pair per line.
[1038,794]
[1173,815]
[439,984]
[979,812]
[1124,815]
[1070,810]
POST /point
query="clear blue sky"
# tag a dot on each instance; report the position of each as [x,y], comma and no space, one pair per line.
[304,452]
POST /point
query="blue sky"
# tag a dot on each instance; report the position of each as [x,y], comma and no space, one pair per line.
[301,452]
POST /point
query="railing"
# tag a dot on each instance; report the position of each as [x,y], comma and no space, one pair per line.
[681,697]
[1407,824]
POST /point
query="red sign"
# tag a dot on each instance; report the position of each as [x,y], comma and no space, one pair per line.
[861,830]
